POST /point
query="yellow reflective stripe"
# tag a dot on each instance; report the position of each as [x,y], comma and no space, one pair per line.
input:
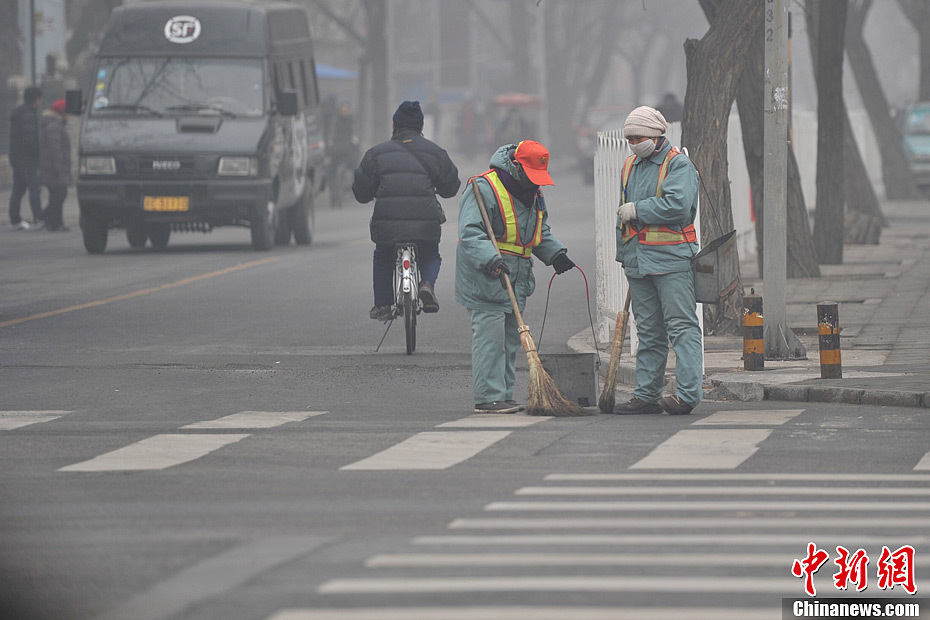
[663,169]
[511,243]
[654,235]
[505,204]
[625,176]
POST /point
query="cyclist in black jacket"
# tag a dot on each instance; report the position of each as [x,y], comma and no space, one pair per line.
[403,176]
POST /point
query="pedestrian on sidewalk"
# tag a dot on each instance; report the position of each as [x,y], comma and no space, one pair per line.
[403,176]
[519,219]
[24,159]
[55,163]
[656,241]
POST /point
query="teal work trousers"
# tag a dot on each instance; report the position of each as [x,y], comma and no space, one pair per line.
[494,345]
[664,308]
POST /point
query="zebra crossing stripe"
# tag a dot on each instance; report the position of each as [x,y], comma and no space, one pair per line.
[437,560]
[764,417]
[255,420]
[157,452]
[753,539]
[649,523]
[705,449]
[526,613]
[737,477]
[725,490]
[924,464]
[800,506]
[559,583]
[495,420]
[18,419]
[430,450]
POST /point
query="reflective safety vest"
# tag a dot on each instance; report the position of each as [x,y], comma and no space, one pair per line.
[509,242]
[655,235]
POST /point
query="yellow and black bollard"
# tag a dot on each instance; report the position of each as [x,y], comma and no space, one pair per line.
[753,338]
[828,328]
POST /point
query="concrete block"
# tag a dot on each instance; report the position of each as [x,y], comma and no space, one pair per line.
[892,399]
[850,396]
[740,391]
[925,401]
[793,393]
[575,374]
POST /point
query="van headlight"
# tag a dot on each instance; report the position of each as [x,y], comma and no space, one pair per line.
[96,164]
[238,167]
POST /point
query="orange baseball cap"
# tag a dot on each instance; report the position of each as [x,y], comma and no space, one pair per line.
[534,158]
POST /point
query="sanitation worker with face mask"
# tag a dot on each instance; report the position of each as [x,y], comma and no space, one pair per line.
[656,241]
[515,206]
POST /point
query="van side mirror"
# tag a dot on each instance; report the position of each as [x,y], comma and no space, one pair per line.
[74,102]
[287,102]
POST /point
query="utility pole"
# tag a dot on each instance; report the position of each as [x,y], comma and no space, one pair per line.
[780,341]
[32,41]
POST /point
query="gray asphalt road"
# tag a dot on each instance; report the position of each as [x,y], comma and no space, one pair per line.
[206,433]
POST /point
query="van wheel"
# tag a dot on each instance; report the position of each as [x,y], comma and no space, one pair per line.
[262,226]
[136,234]
[301,217]
[159,234]
[282,229]
[94,232]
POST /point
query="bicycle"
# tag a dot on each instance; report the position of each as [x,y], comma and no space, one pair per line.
[406,294]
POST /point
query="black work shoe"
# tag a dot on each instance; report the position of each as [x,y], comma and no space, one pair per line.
[673,405]
[497,406]
[428,297]
[515,404]
[380,313]
[636,405]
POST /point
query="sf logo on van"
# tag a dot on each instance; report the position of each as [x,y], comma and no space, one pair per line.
[182,29]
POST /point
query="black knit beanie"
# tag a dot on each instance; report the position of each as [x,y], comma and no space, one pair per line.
[409,114]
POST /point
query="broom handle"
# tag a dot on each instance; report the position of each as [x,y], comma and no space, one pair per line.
[617,348]
[487,224]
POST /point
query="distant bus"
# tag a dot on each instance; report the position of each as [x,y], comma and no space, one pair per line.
[201,114]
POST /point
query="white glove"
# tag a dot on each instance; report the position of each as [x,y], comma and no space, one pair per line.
[627,211]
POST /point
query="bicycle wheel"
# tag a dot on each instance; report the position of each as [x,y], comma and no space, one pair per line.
[410,322]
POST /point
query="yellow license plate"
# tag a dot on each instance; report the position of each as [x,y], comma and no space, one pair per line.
[165,203]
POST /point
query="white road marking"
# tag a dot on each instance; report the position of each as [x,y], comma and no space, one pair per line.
[738,477]
[704,449]
[157,452]
[681,523]
[526,613]
[495,420]
[752,539]
[430,450]
[885,507]
[725,490]
[213,577]
[924,464]
[17,419]
[435,560]
[560,583]
[764,417]
[255,419]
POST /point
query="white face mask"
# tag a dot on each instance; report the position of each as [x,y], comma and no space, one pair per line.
[645,148]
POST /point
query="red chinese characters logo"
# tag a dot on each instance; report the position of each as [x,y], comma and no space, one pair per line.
[894,568]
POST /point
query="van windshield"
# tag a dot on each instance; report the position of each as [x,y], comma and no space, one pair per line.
[173,85]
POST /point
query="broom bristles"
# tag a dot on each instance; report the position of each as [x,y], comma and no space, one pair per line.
[545,399]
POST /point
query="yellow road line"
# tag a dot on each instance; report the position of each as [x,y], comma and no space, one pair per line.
[139,293]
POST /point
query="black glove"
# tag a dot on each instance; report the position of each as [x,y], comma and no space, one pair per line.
[497,268]
[562,263]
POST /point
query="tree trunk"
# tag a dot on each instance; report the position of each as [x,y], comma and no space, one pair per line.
[714,66]
[829,17]
[376,52]
[802,262]
[918,12]
[521,64]
[896,173]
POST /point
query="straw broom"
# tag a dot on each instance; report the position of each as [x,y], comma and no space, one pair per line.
[606,402]
[544,398]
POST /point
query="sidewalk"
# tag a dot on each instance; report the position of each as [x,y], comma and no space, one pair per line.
[883,293]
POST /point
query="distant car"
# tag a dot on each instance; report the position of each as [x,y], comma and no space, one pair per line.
[914,122]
